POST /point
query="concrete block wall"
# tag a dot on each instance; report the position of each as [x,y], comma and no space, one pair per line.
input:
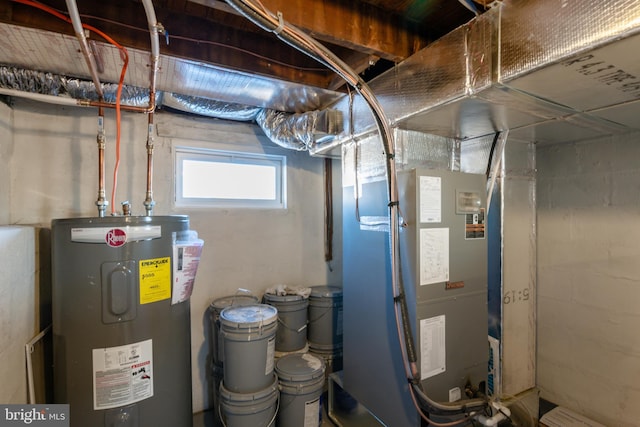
[589,277]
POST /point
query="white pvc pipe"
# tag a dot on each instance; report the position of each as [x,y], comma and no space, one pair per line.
[153,26]
[75,16]
[51,99]
[72,7]
[152,22]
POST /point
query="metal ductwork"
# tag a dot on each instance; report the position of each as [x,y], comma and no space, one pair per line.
[299,131]
[182,85]
[548,70]
[59,54]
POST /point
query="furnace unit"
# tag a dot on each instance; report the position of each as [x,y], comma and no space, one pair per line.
[443,252]
[121,321]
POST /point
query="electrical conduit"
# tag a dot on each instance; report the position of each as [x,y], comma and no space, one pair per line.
[154,27]
[299,40]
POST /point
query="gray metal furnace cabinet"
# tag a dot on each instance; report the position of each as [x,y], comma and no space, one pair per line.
[443,251]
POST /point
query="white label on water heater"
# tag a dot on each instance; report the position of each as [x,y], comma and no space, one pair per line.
[432,347]
[131,233]
[186,258]
[122,375]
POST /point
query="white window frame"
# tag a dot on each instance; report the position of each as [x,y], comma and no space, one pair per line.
[279,162]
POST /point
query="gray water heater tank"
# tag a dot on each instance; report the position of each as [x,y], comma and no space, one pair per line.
[122,350]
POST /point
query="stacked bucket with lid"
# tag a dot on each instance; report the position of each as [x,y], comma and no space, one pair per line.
[291,334]
[218,354]
[249,388]
[324,332]
[270,360]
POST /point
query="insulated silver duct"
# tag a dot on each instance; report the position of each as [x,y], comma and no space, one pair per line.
[54,85]
[548,70]
[210,107]
[299,131]
[293,131]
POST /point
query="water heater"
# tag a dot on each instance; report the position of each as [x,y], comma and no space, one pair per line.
[121,320]
[443,252]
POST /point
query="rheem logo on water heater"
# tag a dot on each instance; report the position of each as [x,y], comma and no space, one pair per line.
[116,237]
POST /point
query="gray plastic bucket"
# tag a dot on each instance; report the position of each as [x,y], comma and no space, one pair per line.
[292,321]
[249,346]
[215,309]
[301,380]
[332,360]
[325,317]
[249,409]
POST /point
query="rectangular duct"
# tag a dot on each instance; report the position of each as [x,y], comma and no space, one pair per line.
[549,70]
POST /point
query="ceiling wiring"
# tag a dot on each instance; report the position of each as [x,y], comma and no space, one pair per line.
[172,36]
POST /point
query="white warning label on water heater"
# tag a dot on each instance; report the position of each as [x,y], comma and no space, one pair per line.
[122,375]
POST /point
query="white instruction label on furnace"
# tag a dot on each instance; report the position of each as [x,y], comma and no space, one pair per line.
[432,347]
[271,353]
[430,199]
[434,255]
[122,375]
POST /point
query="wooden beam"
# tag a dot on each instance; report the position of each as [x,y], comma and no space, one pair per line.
[354,25]
[358,62]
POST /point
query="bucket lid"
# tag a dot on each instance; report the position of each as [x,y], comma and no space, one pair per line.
[299,367]
[224,302]
[246,316]
[326,292]
[249,397]
[283,298]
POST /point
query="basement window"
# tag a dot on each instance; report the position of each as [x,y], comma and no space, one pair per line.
[228,179]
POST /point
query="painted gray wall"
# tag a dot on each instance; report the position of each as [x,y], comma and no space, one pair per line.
[54,175]
[589,277]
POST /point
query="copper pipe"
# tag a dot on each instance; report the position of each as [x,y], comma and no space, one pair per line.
[148,201]
[102,202]
[87,103]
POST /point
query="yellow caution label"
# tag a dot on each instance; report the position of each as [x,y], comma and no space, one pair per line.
[155,280]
